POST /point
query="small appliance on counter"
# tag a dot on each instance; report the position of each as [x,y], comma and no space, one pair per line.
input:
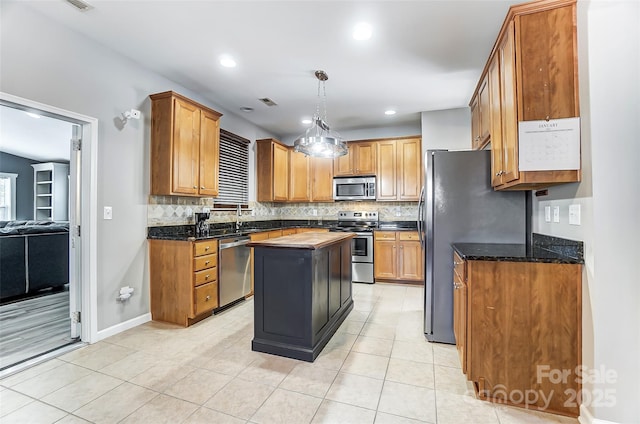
[363,223]
[202,226]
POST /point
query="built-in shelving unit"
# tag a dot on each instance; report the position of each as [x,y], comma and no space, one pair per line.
[51,191]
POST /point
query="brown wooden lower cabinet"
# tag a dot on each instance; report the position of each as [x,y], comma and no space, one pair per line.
[398,257]
[518,328]
[184,280]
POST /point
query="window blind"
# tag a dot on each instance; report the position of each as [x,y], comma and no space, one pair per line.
[234,170]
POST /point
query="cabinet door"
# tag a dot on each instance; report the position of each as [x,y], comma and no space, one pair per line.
[186,148]
[385,261]
[475,124]
[365,158]
[410,261]
[387,181]
[280,172]
[321,180]
[343,165]
[209,153]
[496,121]
[298,177]
[508,104]
[460,320]
[483,104]
[409,169]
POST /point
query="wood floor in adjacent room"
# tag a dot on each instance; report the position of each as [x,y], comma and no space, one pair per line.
[33,326]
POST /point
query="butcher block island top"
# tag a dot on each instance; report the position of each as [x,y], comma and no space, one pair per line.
[304,240]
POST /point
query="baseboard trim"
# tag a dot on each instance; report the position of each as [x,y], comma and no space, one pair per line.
[586,417]
[123,326]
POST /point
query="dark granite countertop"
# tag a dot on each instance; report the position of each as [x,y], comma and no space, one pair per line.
[227,229]
[544,249]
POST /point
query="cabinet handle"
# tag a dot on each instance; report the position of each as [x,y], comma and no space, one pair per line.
[207,248]
[195,186]
[206,277]
[201,187]
[206,262]
[206,299]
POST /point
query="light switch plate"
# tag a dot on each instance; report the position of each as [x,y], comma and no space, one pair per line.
[547,214]
[556,214]
[108,212]
[574,214]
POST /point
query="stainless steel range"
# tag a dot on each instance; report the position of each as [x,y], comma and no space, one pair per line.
[362,223]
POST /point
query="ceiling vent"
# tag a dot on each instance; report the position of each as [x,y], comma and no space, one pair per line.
[80,5]
[267,101]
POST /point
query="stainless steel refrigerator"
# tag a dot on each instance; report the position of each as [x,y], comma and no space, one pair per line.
[458,204]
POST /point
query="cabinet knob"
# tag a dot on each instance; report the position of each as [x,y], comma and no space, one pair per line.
[195,186]
[206,299]
[207,247]
[206,277]
[201,187]
[206,262]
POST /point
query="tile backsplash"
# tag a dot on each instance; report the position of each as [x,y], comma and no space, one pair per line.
[175,210]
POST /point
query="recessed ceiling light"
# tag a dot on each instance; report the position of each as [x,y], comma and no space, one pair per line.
[227,62]
[33,115]
[362,31]
[246,109]
[390,112]
[306,121]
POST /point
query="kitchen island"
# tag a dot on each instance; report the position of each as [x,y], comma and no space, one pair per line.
[302,292]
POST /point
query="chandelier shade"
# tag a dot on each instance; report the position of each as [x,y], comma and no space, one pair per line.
[319,140]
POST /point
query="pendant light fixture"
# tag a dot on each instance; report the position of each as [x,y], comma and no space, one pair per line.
[319,140]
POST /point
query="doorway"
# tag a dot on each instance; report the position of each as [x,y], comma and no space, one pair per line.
[54,307]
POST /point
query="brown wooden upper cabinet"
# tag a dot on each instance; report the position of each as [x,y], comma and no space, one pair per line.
[399,175]
[531,75]
[185,146]
[360,160]
[480,114]
[299,177]
[272,171]
[288,176]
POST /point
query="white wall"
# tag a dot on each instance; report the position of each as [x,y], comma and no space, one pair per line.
[446,129]
[46,62]
[609,194]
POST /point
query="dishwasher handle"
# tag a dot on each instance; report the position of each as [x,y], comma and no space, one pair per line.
[234,243]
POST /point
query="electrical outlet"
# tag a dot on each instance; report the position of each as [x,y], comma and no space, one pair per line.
[315,212]
[556,214]
[574,214]
[108,212]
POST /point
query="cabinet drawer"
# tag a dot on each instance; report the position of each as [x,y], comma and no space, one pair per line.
[204,262]
[206,276]
[459,267]
[206,297]
[384,235]
[205,247]
[408,235]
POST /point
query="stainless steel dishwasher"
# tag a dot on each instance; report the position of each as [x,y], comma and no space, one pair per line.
[235,269]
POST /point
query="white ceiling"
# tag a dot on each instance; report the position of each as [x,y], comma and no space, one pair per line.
[423,55]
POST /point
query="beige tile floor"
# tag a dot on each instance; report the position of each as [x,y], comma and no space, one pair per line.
[378,368]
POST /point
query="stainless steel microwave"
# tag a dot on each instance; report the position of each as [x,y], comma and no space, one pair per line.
[354,188]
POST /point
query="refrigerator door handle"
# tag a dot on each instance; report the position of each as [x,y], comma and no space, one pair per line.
[420,218]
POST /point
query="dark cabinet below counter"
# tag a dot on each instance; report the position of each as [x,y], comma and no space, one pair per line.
[517,321]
